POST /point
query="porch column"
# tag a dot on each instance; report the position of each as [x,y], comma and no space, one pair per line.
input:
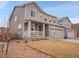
[23,30]
[44,30]
[29,29]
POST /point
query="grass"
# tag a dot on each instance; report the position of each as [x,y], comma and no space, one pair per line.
[56,48]
[21,50]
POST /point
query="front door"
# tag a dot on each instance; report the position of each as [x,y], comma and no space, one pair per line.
[46,30]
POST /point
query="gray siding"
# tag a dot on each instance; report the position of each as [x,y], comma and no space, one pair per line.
[19,12]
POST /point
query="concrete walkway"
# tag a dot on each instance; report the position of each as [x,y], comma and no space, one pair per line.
[71,40]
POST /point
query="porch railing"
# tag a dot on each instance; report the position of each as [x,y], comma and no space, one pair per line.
[34,34]
[37,34]
[25,34]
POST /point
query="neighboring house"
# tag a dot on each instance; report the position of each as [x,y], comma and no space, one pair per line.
[75,27]
[68,31]
[30,21]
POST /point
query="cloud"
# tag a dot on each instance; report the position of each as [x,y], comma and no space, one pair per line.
[3,4]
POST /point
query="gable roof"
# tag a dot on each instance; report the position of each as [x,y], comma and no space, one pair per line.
[63,18]
[35,5]
[14,10]
[29,4]
[41,10]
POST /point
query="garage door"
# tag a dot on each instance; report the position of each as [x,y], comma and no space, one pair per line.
[70,34]
[57,34]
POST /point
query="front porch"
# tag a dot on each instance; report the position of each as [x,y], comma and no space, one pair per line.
[35,30]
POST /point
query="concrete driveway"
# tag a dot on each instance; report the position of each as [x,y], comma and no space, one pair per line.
[71,40]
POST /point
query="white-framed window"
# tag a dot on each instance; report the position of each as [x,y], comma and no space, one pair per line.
[32,13]
[50,21]
[45,19]
[15,18]
[19,27]
[54,21]
[40,16]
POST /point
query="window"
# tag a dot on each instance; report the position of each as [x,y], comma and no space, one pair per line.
[60,24]
[32,13]
[32,28]
[40,16]
[15,18]
[54,21]
[19,27]
[45,19]
[40,28]
[50,21]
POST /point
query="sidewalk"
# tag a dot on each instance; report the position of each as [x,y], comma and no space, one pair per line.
[71,40]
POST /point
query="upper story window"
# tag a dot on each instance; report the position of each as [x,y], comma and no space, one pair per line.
[60,24]
[50,21]
[32,13]
[40,16]
[45,19]
[54,21]
[15,18]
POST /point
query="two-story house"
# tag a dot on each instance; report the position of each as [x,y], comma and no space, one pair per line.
[30,21]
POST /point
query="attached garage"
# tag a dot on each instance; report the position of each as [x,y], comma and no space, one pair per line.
[70,34]
[66,23]
[57,32]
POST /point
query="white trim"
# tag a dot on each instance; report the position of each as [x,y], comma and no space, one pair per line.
[19,26]
[15,18]
[44,30]
[42,22]
[29,29]
[23,30]
[25,12]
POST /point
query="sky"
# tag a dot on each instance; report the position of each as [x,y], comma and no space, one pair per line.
[56,8]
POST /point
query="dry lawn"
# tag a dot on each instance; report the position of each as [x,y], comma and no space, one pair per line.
[56,48]
[21,50]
